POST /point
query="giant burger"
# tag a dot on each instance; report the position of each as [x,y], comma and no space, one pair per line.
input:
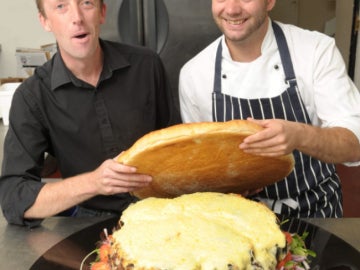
[204,230]
[187,220]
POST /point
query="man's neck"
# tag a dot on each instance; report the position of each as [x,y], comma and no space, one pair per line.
[87,70]
[250,49]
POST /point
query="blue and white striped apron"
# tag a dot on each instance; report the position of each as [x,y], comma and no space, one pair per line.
[313,188]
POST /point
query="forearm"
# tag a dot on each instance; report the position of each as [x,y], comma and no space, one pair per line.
[58,196]
[110,178]
[332,145]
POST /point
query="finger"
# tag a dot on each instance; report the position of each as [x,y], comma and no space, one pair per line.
[122,168]
[265,154]
[130,184]
[260,122]
[260,136]
[121,189]
[259,141]
[134,178]
[116,184]
[117,157]
[263,148]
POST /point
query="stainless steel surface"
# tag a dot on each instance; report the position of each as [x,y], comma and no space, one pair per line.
[176,30]
[20,247]
[347,229]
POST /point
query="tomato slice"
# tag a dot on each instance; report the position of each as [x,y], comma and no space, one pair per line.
[100,266]
[284,261]
[104,252]
[288,237]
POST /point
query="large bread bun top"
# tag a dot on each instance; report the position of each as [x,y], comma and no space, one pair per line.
[197,157]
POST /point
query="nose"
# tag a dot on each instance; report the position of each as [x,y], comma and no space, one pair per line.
[76,14]
[233,7]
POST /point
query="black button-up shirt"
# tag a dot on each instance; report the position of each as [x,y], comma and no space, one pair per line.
[79,124]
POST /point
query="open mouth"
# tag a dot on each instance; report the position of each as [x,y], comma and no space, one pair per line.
[81,36]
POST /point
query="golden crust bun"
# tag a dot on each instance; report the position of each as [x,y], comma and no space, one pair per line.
[197,231]
[200,157]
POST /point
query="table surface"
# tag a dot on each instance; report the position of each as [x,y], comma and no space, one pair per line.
[20,246]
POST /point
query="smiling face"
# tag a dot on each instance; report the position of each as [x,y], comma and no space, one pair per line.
[75,25]
[242,21]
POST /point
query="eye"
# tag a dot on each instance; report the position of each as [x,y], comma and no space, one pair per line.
[60,6]
[88,3]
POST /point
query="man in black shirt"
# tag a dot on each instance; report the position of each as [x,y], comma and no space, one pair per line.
[91,101]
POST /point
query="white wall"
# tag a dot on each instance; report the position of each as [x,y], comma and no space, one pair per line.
[19,27]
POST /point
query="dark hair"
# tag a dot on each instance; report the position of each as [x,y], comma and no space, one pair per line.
[39,4]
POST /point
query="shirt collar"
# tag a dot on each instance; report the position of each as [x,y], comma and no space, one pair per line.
[113,60]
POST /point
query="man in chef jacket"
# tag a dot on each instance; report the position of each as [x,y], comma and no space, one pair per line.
[292,82]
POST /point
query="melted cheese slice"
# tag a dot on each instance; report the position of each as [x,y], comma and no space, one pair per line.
[198,231]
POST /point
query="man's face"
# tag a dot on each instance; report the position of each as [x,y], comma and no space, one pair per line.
[75,25]
[239,20]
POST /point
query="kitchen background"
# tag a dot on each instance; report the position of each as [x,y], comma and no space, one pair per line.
[188,20]
[19,26]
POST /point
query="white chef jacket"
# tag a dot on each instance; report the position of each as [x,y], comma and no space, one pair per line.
[329,95]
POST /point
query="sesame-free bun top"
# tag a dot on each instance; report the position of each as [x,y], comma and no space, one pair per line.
[200,157]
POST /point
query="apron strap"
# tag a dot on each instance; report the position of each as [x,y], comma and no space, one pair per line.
[284,54]
[217,77]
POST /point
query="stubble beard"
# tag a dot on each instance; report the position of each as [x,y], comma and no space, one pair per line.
[247,34]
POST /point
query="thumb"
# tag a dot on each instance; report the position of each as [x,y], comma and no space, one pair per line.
[118,156]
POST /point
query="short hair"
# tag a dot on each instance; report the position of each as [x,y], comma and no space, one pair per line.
[39,4]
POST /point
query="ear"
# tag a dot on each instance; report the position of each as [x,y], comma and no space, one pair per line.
[44,22]
[270,4]
[103,13]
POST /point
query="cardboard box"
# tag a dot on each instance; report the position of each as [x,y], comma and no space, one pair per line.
[28,59]
[50,48]
[11,80]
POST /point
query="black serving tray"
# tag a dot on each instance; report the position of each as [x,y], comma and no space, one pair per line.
[332,252]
